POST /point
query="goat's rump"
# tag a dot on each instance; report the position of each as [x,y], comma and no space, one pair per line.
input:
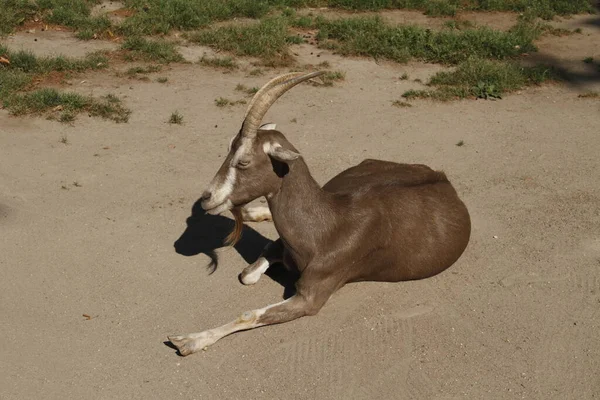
[372,173]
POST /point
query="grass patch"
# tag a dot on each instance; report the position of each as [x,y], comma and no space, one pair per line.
[176,118]
[370,36]
[152,50]
[75,14]
[330,77]
[540,8]
[589,95]
[13,13]
[162,16]
[17,76]
[219,62]
[223,102]
[27,62]
[243,88]
[482,79]
[68,105]
[267,39]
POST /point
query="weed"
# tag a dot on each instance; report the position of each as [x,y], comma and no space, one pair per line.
[578,30]
[589,95]
[332,76]
[77,184]
[460,143]
[225,62]
[162,79]
[221,102]
[323,65]
[67,116]
[404,77]
[176,118]
[588,60]
[243,88]
[152,50]
[143,70]
[64,140]
[256,72]
[294,120]
[485,79]
[400,103]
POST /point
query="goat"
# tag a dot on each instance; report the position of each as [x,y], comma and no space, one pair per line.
[376,221]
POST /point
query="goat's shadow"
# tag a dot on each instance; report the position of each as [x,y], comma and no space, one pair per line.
[206,233]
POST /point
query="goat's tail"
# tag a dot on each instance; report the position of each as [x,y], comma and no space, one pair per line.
[236,233]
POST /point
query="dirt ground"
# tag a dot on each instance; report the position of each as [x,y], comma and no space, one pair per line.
[99,226]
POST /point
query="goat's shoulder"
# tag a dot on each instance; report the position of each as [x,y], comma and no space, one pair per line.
[371,173]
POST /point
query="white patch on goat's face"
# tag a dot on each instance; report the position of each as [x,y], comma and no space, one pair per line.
[221,187]
[220,193]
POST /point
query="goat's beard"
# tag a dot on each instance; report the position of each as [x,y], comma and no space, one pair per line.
[236,233]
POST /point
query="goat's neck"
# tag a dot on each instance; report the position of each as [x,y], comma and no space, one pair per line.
[301,210]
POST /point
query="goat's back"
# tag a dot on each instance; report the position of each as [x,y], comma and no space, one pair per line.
[370,173]
[406,219]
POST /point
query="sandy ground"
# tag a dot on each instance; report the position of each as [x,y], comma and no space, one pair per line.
[99,226]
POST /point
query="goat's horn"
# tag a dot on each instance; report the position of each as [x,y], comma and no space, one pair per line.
[261,104]
[273,82]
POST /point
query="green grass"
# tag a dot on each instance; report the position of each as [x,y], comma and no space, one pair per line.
[219,62]
[152,50]
[267,39]
[541,8]
[485,79]
[68,104]
[14,13]
[27,62]
[162,16]
[16,77]
[75,14]
[370,36]
[333,76]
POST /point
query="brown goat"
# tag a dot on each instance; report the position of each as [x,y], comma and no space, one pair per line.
[376,221]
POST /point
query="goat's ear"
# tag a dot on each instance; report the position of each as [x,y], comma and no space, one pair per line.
[268,127]
[279,153]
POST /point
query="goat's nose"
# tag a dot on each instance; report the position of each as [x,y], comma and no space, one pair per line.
[206,196]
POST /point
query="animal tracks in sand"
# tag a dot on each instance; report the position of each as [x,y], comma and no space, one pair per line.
[383,344]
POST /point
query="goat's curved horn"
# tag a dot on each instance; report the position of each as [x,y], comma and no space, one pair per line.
[261,104]
[273,82]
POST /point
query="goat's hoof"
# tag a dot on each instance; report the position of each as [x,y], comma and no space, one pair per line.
[248,279]
[184,344]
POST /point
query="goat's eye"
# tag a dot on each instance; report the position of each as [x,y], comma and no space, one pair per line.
[243,163]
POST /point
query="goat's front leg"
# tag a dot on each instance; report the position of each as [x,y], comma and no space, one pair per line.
[272,253]
[311,296]
[287,310]
[256,213]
